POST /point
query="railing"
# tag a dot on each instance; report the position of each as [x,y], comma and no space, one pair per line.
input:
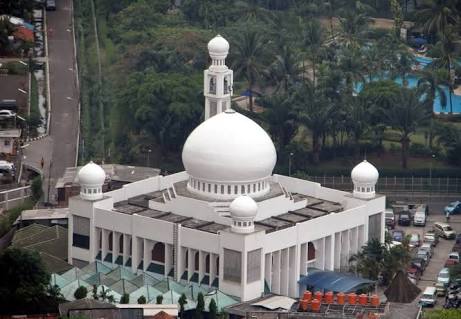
[13,197]
[435,185]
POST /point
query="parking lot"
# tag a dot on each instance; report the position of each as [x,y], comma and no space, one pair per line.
[441,251]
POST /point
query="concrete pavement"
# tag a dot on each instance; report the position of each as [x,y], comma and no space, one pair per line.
[59,149]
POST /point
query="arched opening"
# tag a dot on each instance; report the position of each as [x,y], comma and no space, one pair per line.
[207,264]
[196,261]
[310,251]
[111,236]
[158,253]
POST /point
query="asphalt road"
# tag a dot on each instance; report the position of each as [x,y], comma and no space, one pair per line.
[60,147]
[442,250]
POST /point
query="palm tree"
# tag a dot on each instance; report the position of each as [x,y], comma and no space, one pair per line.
[312,40]
[436,15]
[351,65]
[252,11]
[249,48]
[280,116]
[285,71]
[406,113]
[358,119]
[314,112]
[405,62]
[353,24]
[433,83]
[369,260]
[450,137]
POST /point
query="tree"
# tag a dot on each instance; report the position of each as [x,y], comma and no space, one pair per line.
[125,299]
[81,292]
[24,283]
[36,188]
[407,112]
[95,292]
[450,137]
[248,50]
[159,300]
[285,71]
[280,116]
[200,306]
[212,309]
[312,40]
[5,30]
[142,300]
[369,260]
[436,15]
[182,301]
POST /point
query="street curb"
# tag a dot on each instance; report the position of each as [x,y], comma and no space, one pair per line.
[48,92]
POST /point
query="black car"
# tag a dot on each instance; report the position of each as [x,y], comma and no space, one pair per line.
[418,263]
[404,219]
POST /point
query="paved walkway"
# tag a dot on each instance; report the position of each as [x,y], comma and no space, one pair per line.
[59,149]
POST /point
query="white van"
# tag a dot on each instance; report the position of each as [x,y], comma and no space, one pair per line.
[429,297]
[419,218]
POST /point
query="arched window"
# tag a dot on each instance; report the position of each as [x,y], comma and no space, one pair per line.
[120,244]
[209,188]
[207,264]
[212,87]
[196,260]
[236,189]
[229,189]
[243,189]
[222,189]
[259,186]
[110,241]
[215,189]
[248,188]
[158,253]
[254,188]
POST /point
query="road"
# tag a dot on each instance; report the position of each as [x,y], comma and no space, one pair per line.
[442,250]
[59,148]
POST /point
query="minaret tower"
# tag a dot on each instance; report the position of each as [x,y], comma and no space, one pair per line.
[218,78]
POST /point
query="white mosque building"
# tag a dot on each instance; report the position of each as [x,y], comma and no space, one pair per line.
[226,221]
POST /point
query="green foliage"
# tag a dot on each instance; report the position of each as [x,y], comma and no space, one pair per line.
[125,299]
[36,188]
[142,300]
[442,314]
[455,272]
[159,300]
[8,217]
[200,306]
[212,309]
[24,284]
[81,292]
[182,301]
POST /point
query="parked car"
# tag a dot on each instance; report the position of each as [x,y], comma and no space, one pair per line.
[458,239]
[431,238]
[50,5]
[441,289]
[418,263]
[427,247]
[444,276]
[453,259]
[415,240]
[423,254]
[429,297]
[404,219]
[453,208]
[7,114]
[444,230]
[419,218]
[398,235]
[389,218]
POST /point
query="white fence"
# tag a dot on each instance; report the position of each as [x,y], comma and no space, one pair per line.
[14,197]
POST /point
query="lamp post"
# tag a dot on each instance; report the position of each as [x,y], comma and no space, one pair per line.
[289,164]
[148,157]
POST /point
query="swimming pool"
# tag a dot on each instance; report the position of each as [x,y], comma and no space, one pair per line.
[413,82]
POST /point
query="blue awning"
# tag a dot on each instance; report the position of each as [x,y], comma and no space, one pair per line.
[334,281]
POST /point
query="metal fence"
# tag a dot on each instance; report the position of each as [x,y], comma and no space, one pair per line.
[14,197]
[435,185]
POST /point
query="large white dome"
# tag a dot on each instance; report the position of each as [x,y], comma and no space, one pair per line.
[229,155]
[229,147]
[91,175]
[365,172]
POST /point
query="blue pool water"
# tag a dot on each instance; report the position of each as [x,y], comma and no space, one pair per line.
[413,82]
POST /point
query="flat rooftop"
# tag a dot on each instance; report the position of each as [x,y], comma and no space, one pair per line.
[116,172]
[38,214]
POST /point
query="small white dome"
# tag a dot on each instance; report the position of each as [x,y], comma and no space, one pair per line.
[243,207]
[229,148]
[91,175]
[365,173]
[218,47]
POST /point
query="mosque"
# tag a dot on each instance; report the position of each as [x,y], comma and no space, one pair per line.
[226,221]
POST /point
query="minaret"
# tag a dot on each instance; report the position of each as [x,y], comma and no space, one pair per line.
[217,79]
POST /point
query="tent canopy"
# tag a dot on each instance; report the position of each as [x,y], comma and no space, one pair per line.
[334,281]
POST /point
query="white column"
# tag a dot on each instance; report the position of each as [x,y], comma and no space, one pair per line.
[363,234]
[330,252]
[105,244]
[201,265]
[168,258]
[115,245]
[337,251]
[70,239]
[293,273]
[190,264]
[302,260]
[126,248]
[284,272]
[212,267]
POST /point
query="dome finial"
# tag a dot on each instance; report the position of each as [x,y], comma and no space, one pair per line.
[91,178]
[364,177]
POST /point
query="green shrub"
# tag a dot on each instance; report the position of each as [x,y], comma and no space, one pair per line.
[36,188]
[81,292]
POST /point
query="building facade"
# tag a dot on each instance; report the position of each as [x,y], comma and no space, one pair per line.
[227,221]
